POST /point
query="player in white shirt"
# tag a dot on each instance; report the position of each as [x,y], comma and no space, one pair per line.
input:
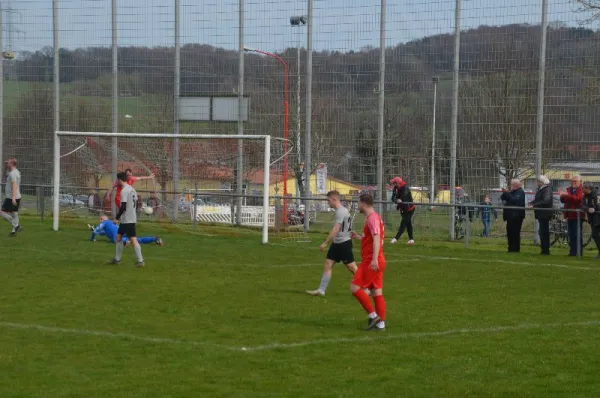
[12,201]
[341,248]
[127,219]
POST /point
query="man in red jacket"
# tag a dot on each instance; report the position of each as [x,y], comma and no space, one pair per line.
[573,199]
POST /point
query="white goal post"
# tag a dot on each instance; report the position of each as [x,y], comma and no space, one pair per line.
[266,163]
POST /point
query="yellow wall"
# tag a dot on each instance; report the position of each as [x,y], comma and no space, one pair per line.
[149,185]
[341,187]
[562,175]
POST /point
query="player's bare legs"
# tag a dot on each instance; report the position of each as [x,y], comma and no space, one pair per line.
[341,245]
[352,267]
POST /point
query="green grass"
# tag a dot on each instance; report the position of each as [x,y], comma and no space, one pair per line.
[206,297]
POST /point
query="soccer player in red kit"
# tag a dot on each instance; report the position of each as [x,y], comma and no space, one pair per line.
[131,179]
[370,271]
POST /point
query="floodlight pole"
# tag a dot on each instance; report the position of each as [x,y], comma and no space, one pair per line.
[286,115]
[432,191]
[297,21]
[308,112]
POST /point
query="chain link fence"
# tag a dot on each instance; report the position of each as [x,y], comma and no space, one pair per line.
[444,93]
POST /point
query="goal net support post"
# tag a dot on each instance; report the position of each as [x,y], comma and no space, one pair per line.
[77,147]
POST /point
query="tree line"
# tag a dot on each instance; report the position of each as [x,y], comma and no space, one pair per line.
[497,103]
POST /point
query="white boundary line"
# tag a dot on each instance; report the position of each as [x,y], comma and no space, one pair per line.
[420,335]
[113,335]
[279,346]
[471,260]
[319,263]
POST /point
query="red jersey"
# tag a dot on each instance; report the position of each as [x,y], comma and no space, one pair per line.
[131,180]
[373,226]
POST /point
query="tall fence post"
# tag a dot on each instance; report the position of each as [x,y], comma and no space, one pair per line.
[467,228]
[1,89]
[539,133]
[56,99]
[381,107]
[176,107]
[454,131]
[578,245]
[195,206]
[240,125]
[115,100]
[307,136]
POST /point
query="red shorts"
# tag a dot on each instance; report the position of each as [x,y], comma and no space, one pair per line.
[366,278]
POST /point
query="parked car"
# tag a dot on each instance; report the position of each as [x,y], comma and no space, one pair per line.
[69,200]
[82,198]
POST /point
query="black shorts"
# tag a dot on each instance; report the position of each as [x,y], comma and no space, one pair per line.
[127,229]
[341,252]
[8,207]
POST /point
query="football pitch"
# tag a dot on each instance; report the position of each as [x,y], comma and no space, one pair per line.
[221,315]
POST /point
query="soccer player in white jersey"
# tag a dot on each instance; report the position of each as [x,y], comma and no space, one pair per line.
[12,201]
[341,248]
[127,218]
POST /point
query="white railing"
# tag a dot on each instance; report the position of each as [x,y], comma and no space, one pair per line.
[221,214]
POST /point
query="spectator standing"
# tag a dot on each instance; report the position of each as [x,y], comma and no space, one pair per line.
[514,197]
[590,207]
[485,213]
[543,200]
[402,197]
[573,200]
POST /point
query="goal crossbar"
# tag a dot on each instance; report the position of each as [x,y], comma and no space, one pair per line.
[160,135]
[266,164]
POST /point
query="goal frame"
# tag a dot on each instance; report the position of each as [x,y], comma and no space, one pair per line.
[266,164]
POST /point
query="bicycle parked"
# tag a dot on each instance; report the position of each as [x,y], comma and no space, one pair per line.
[559,233]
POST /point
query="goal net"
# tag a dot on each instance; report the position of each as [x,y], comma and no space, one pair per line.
[201,183]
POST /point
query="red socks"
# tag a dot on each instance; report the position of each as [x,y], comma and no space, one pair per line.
[363,299]
[380,306]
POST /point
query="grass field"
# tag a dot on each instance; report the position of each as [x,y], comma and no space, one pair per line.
[224,316]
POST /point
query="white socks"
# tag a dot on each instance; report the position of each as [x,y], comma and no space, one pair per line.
[15,220]
[138,252]
[324,282]
[7,217]
[119,252]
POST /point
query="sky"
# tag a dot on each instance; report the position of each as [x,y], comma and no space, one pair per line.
[339,25]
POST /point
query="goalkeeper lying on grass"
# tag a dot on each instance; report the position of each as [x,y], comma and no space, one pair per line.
[109,229]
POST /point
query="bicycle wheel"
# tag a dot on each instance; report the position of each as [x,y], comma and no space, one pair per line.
[587,234]
[459,230]
[556,231]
